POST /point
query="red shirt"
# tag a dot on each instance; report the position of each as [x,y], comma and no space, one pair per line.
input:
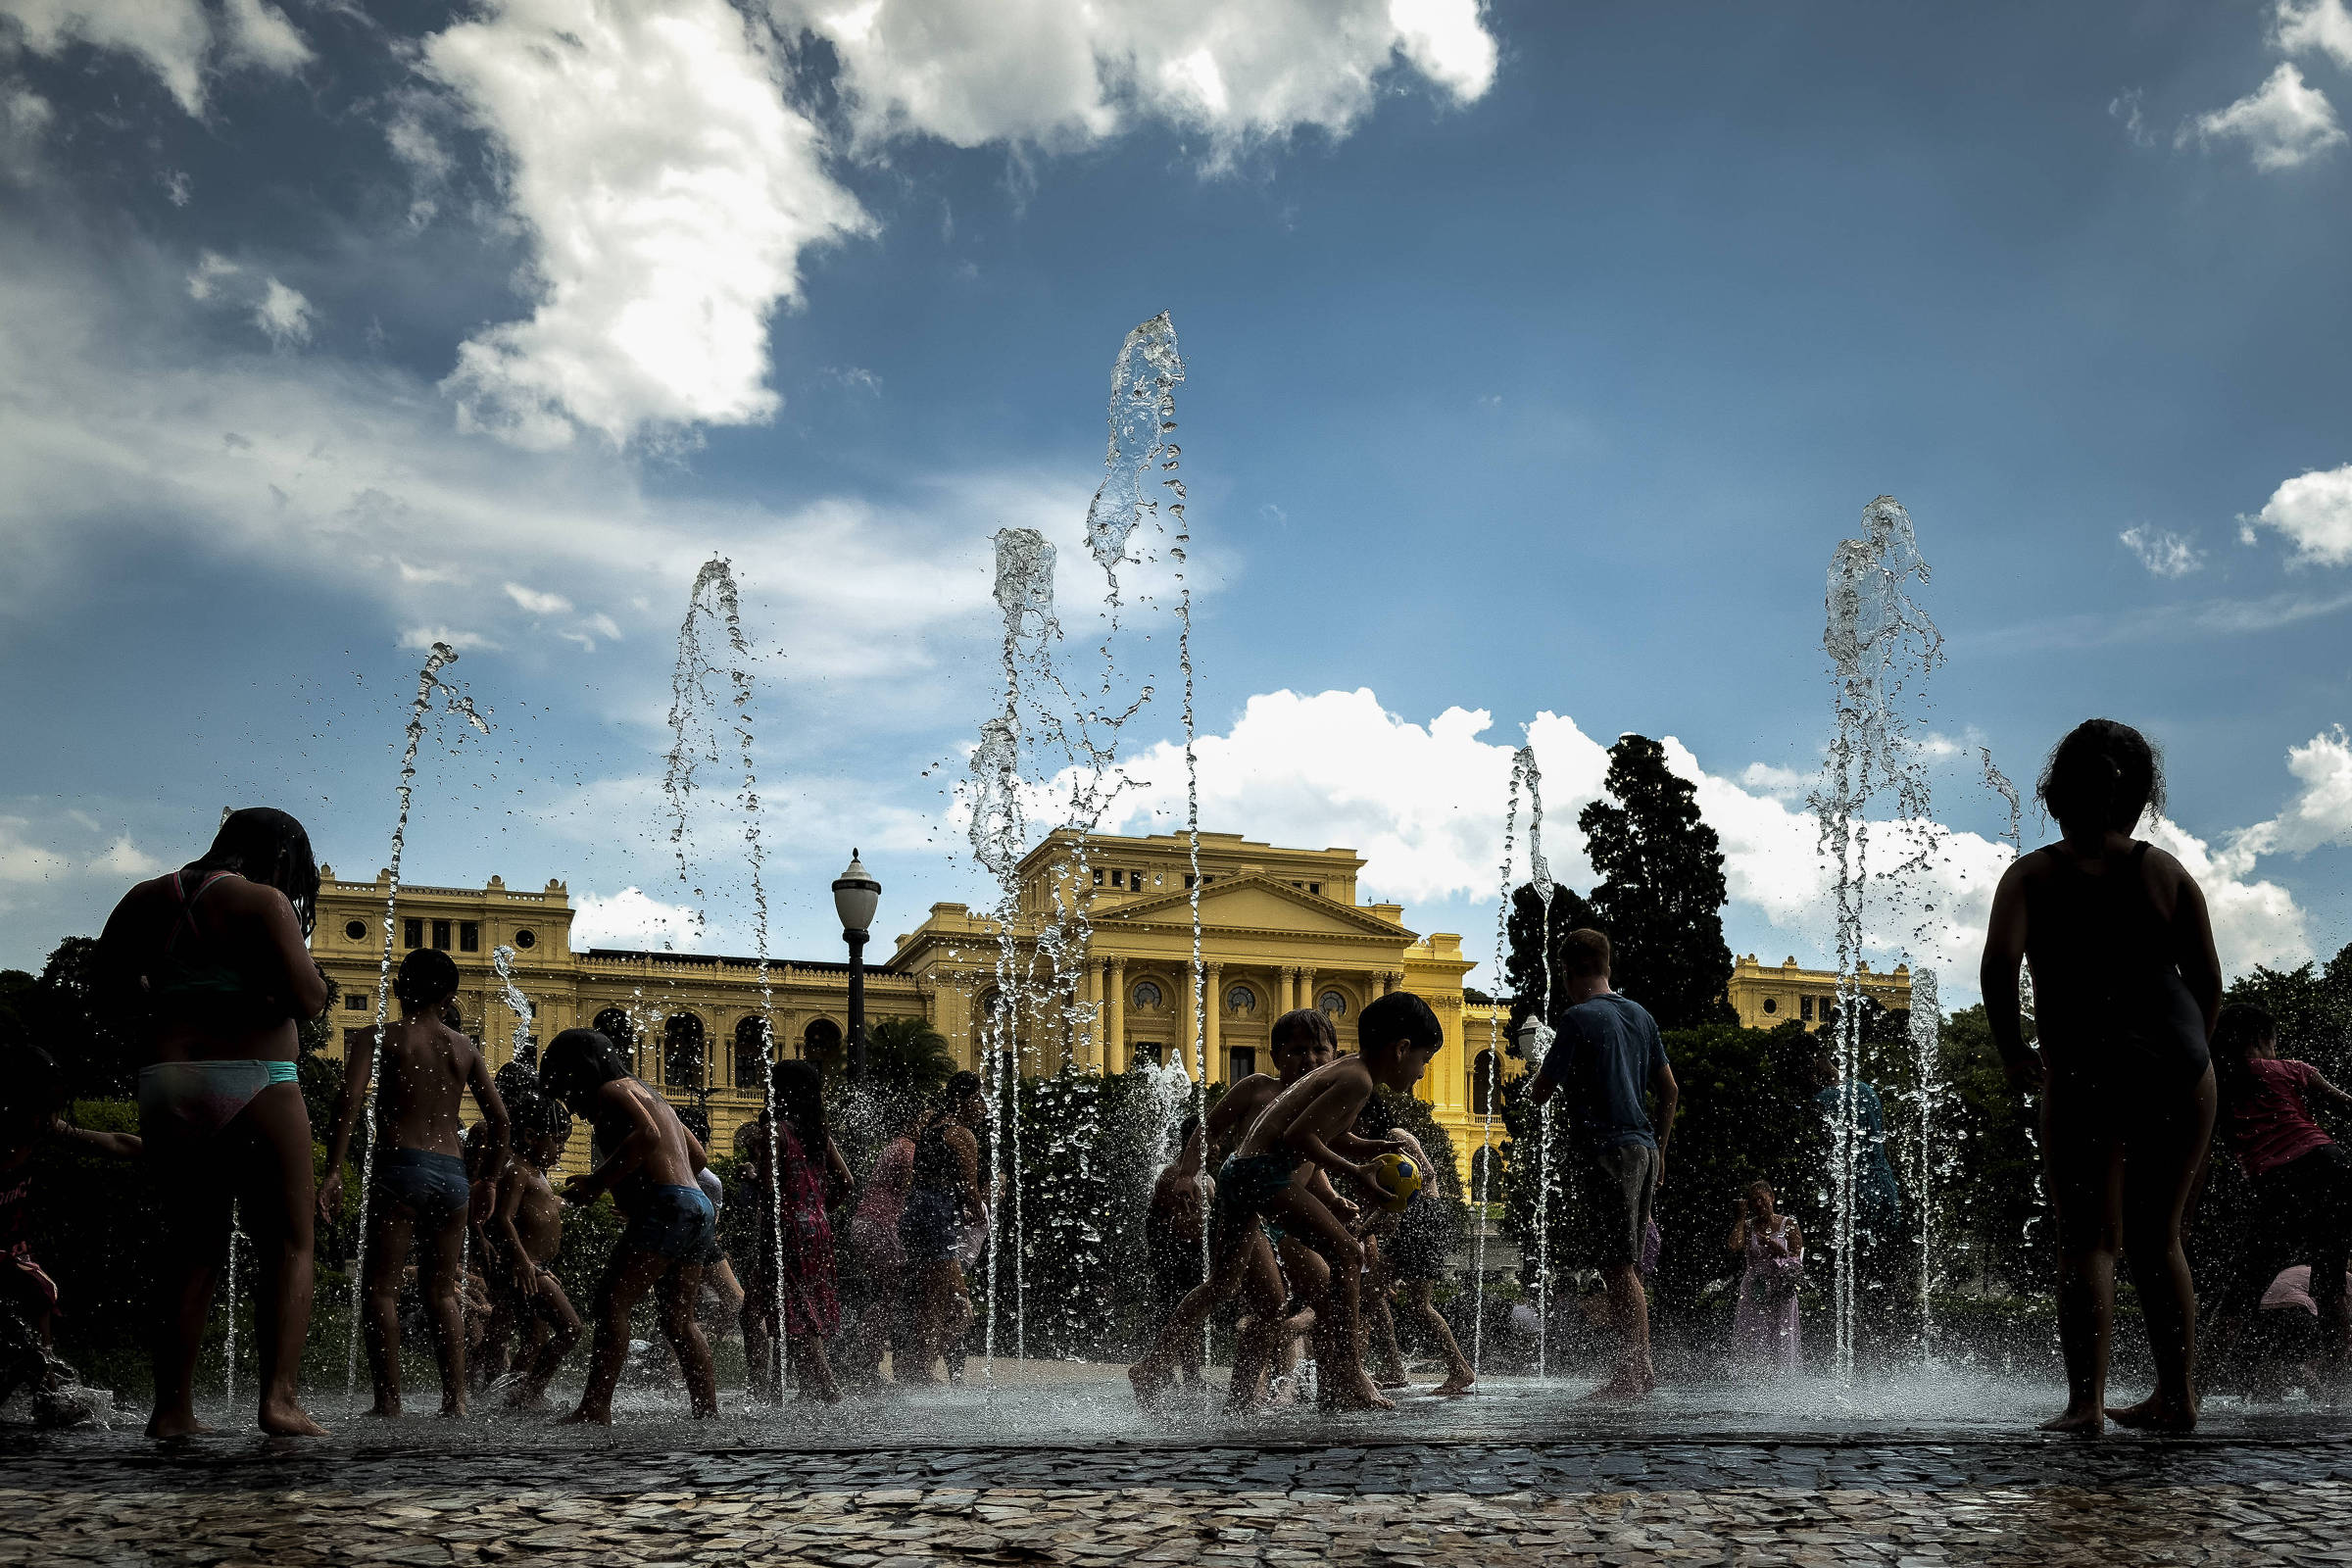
[2271,1125]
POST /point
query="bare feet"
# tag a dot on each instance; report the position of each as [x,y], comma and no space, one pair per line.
[1391,1380]
[2153,1415]
[453,1409]
[526,1398]
[1150,1383]
[2090,1422]
[285,1418]
[1621,1388]
[585,1417]
[179,1424]
[1357,1393]
[1460,1383]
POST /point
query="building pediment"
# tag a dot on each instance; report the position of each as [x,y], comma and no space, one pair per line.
[1254,902]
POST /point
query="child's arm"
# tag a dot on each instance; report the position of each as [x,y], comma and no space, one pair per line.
[643,1135]
[968,1155]
[842,1183]
[512,1184]
[1328,1113]
[1997,976]
[2319,1081]
[358,1060]
[1347,1141]
[119,1146]
[1796,1241]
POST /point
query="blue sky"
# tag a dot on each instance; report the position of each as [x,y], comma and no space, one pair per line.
[1538,356]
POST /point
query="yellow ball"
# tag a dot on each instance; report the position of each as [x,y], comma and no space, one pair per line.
[1399,1178]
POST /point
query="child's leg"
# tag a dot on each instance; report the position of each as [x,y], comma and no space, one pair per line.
[627,1278]
[1339,1364]
[195,1230]
[1151,1375]
[1262,1338]
[389,1229]
[552,1310]
[440,1277]
[680,1287]
[2160,1166]
[280,1208]
[1459,1373]
[1379,1279]
[2084,1167]
[812,1370]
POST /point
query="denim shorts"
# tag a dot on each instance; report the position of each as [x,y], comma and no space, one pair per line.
[429,1185]
[673,1222]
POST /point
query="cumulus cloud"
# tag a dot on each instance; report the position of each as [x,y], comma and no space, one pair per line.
[21,860]
[1423,802]
[1059,71]
[122,858]
[537,603]
[2320,25]
[2283,122]
[634,919]
[668,191]
[2164,553]
[2314,511]
[283,315]
[179,40]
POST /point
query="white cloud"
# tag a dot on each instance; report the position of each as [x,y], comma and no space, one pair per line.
[669,190]
[2283,122]
[283,315]
[2314,511]
[2253,922]
[422,638]
[22,861]
[179,40]
[2125,106]
[633,918]
[537,603]
[213,270]
[2321,24]
[2319,816]
[126,859]
[1059,71]
[2164,553]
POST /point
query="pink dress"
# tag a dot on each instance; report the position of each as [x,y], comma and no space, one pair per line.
[1764,1332]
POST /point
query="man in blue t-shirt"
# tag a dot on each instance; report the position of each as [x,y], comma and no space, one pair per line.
[1607,1055]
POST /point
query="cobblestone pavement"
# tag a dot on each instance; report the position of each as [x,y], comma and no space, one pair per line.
[2022,1502]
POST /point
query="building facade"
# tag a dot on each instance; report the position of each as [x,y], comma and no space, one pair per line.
[1767,997]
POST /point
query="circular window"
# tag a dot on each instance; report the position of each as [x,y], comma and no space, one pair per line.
[527,939]
[1334,1005]
[1146,995]
[356,930]
[1772,1003]
[1241,1000]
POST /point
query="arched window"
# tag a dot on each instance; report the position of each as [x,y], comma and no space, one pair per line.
[1240,1002]
[1485,1176]
[1485,1101]
[682,1040]
[752,1053]
[820,1042]
[617,1026]
[1147,995]
[1334,1006]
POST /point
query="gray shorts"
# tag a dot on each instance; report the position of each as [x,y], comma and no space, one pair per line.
[1623,1180]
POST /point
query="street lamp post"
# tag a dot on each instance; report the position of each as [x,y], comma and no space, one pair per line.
[855,895]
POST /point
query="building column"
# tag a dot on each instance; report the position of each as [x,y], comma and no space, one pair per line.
[1391,981]
[1290,990]
[1187,1037]
[1091,1056]
[1114,1030]
[1306,985]
[1213,996]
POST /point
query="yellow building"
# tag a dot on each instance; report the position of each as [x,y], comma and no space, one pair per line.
[1279,928]
[1767,997]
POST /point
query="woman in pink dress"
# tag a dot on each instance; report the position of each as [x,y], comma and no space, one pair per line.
[1764,1332]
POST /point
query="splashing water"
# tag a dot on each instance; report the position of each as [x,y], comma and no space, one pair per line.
[715,605]
[1926,1051]
[1882,645]
[228,1349]
[501,961]
[1494,1048]
[431,692]
[1539,1045]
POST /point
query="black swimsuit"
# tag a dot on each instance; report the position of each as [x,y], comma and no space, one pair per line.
[2114,1014]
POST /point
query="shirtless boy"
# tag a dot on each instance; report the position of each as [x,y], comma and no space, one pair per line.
[528,1228]
[421,1189]
[651,1171]
[1307,1127]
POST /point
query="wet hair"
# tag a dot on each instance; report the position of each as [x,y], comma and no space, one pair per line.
[267,846]
[32,1090]
[1764,1187]
[550,1120]
[1303,1021]
[579,1061]
[2242,1029]
[899,1111]
[1585,954]
[958,1089]
[1398,1018]
[800,1091]
[696,1120]
[427,977]
[517,1081]
[2102,772]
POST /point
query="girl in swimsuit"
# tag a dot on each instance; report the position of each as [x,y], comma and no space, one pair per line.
[2127,987]
[214,959]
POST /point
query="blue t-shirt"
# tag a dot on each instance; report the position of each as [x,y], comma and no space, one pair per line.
[1607,1053]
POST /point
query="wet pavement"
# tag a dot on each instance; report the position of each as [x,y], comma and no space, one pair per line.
[1526,1475]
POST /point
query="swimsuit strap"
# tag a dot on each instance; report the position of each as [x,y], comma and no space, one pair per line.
[187,904]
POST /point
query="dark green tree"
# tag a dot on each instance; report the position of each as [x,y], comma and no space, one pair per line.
[907,1056]
[1661,890]
[76,1017]
[1523,963]
[2313,1006]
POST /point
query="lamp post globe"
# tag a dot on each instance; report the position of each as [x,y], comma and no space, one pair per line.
[855,894]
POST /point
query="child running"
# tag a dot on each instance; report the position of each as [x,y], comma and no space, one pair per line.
[422,1189]
[1301,1041]
[1175,1230]
[1412,1258]
[1306,1127]
[2301,1179]
[651,1172]
[528,1228]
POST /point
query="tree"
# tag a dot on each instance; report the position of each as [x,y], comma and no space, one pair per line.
[1523,963]
[907,1056]
[1661,891]
[73,1016]
[2314,1009]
